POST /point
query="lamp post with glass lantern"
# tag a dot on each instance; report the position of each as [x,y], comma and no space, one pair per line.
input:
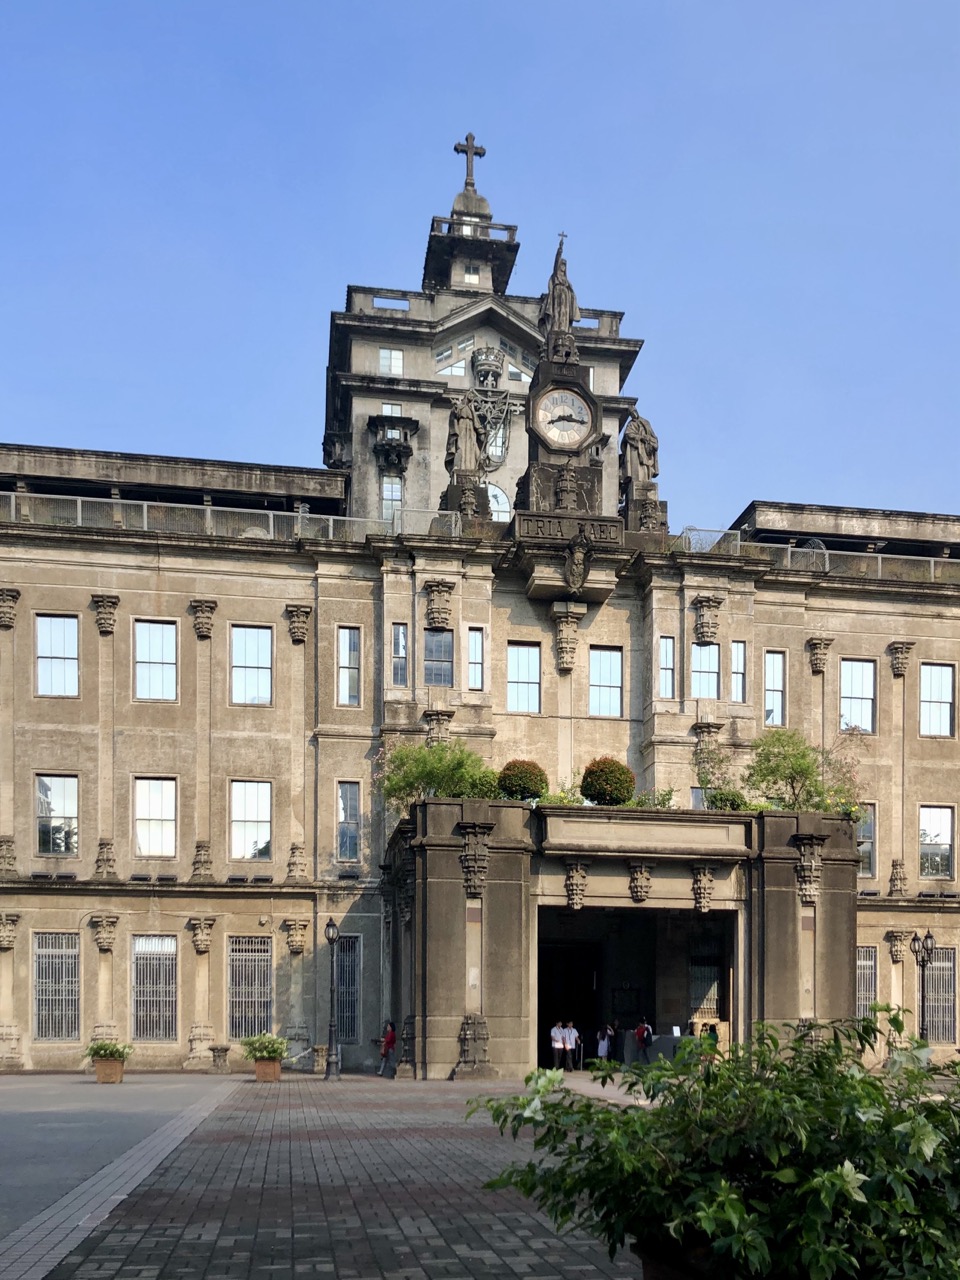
[923,949]
[332,933]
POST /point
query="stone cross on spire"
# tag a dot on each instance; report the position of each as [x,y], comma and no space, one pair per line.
[469,150]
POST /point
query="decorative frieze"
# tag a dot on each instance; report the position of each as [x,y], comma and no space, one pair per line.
[296,936]
[702,886]
[8,858]
[706,625]
[203,611]
[106,607]
[475,856]
[640,880]
[566,615]
[809,868]
[439,604]
[202,870]
[8,926]
[438,724]
[575,882]
[898,879]
[8,607]
[297,865]
[298,621]
[899,651]
[817,647]
[899,940]
[105,867]
[202,927]
[104,931]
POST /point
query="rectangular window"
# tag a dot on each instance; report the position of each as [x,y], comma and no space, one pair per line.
[705,671]
[250,820]
[391,362]
[456,370]
[251,670]
[58,667]
[154,987]
[471,273]
[348,666]
[738,671]
[866,980]
[936,841]
[936,700]
[155,661]
[475,658]
[348,821]
[774,688]
[444,353]
[348,987]
[668,674]
[155,806]
[523,678]
[391,496]
[866,840]
[606,682]
[391,410]
[58,816]
[438,657]
[941,992]
[56,986]
[697,798]
[857,697]
[250,987]
[466,344]
[400,654]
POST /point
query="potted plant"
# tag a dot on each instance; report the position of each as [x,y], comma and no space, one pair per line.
[783,1157]
[108,1057]
[266,1051]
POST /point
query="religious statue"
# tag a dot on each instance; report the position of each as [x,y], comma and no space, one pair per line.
[558,310]
[639,462]
[575,567]
[466,438]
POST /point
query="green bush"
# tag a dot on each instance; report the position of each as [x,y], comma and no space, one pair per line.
[264,1047]
[523,780]
[568,795]
[730,799]
[411,773]
[653,799]
[607,781]
[786,772]
[108,1049]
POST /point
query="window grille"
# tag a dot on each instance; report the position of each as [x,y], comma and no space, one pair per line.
[705,988]
[154,987]
[56,986]
[866,980]
[155,661]
[438,657]
[857,695]
[705,671]
[58,670]
[941,992]
[251,658]
[348,988]
[523,678]
[250,986]
[606,682]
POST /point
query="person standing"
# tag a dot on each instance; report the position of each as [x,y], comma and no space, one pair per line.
[644,1036]
[604,1040]
[571,1039]
[616,1041]
[388,1055]
[557,1043]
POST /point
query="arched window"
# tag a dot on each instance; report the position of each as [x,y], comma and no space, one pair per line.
[499,504]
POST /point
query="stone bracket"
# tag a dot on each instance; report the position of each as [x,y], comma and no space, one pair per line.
[566,615]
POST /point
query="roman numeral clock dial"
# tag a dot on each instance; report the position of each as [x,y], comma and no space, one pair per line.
[563,418]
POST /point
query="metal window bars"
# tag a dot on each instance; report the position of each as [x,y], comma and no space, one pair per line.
[154,987]
[250,986]
[56,986]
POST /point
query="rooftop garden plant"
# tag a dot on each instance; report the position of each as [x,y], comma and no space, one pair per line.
[607,781]
[407,774]
[523,780]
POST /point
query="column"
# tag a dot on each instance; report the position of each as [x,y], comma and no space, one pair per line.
[566,615]
[201,1029]
[474,1034]
[10,1057]
[299,626]
[296,1029]
[105,935]
[8,616]
[106,606]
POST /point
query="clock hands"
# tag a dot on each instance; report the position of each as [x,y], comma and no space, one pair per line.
[566,417]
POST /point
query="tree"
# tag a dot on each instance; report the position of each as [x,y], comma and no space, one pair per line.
[407,774]
[523,780]
[607,781]
[786,772]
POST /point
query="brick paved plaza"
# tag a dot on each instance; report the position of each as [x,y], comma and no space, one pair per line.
[361,1180]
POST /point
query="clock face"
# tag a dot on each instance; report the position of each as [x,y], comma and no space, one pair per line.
[563,418]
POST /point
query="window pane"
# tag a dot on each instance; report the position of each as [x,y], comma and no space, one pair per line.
[866,840]
[58,671]
[667,671]
[348,674]
[475,658]
[936,700]
[155,802]
[738,671]
[936,841]
[606,682]
[857,694]
[438,658]
[705,671]
[348,821]
[250,820]
[391,362]
[155,661]
[773,693]
[391,496]
[400,654]
[154,988]
[523,678]
[252,665]
[57,816]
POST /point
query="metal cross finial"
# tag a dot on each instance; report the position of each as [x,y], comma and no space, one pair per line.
[469,150]
[563,236]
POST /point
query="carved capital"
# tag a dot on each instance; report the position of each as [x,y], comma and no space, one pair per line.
[438,601]
[105,931]
[817,647]
[299,617]
[296,935]
[8,925]
[8,607]
[809,868]
[702,886]
[438,724]
[203,611]
[566,615]
[899,651]
[106,864]
[202,927]
[202,869]
[106,607]
[297,865]
[475,856]
[706,625]
[898,879]
[899,940]
[8,858]
[640,879]
[575,882]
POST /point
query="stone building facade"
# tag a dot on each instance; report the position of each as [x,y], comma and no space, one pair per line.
[201,662]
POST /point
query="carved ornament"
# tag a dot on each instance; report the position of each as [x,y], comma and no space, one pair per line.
[106,864]
[475,856]
[899,940]
[702,886]
[8,925]
[818,646]
[566,617]
[202,862]
[105,931]
[809,868]
[8,607]
[577,562]
[296,936]
[438,724]
[297,865]
[640,880]
[299,615]
[8,858]
[202,927]
[575,882]
[706,625]
[567,488]
[474,1038]
[438,601]
[487,365]
[106,607]
[899,651]
[203,611]
[898,879]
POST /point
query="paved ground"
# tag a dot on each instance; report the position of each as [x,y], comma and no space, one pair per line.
[361,1180]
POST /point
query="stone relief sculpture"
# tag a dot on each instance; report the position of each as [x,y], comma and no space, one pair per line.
[639,454]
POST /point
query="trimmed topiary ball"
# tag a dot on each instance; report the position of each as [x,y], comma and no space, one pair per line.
[523,780]
[607,781]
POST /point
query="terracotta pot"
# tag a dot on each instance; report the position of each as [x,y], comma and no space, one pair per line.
[267,1070]
[109,1070]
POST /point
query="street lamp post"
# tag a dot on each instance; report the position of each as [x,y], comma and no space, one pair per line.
[923,949]
[332,933]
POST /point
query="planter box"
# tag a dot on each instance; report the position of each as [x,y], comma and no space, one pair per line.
[109,1070]
[267,1070]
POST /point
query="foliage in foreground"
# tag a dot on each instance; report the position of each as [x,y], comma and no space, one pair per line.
[447,769]
[264,1047]
[780,1158]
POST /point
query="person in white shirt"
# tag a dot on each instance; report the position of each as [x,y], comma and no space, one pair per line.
[557,1042]
[571,1038]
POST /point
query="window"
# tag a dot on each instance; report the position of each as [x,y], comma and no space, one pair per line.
[348,666]
[499,504]
[250,819]
[391,496]
[866,980]
[155,661]
[348,821]
[456,370]
[941,993]
[155,805]
[391,410]
[936,700]
[866,840]
[56,986]
[58,669]
[471,273]
[391,362]
[58,814]
[738,671]
[154,987]
[443,354]
[668,680]
[496,451]
[466,344]
[523,678]
[475,658]
[400,654]
[516,375]
[936,841]
[698,799]
[606,682]
[438,657]
[251,657]
[705,671]
[774,687]
[857,703]
[249,986]
[348,988]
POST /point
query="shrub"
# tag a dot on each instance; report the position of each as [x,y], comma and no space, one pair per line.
[727,798]
[108,1049]
[264,1047]
[568,795]
[607,781]
[411,773]
[786,772]
[653,799]
[523,780]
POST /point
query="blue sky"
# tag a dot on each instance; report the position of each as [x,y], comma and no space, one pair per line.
[769,191]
